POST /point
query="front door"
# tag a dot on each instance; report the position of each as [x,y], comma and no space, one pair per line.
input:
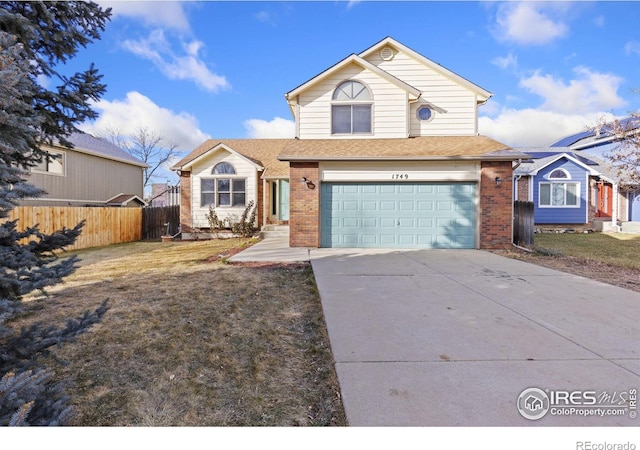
[605,200]
[283,200]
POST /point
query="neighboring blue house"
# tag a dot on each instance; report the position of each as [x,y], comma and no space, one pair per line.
[570,183]
[599,144]
[561,185]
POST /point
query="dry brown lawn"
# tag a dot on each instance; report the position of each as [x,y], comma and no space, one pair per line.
[192,341]
[607,257]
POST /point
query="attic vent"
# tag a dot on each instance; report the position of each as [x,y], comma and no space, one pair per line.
[386,54]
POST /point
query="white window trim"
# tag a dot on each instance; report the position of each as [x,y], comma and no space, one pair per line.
[55,174]
[352,102]
[565,171]
[420,108]
[578,194]
[231,191]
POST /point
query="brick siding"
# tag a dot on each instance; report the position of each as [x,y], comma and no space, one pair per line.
[523,188]
[304,219]
[496,205]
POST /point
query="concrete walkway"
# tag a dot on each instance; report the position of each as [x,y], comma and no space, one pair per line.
[454,337]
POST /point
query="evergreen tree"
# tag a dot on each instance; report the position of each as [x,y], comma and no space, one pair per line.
[35,38]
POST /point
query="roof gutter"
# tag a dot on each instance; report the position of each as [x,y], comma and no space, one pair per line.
[297,158]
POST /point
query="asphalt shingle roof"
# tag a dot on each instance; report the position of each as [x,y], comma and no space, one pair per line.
[274,154]
[101,147]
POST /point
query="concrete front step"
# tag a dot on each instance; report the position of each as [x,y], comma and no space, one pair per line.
[630,227]
[269,231]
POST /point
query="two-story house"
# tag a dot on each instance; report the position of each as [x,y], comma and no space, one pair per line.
[92,173]
[386,154]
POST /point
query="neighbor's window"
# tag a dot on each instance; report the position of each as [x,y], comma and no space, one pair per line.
[53,164]
[559,194]
[351,109]
[559,174]
[222,188]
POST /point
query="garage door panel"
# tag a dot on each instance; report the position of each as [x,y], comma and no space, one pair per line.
[387,205]
[350,222]
[387,188]
[387,240]
[444,206]
[425,205]
[409,215]
[369,205]
[387,222]
[405,222]
[369,222]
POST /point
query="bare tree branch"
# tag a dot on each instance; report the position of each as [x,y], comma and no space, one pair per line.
[147,145]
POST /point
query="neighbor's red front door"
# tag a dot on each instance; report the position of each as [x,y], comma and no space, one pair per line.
[605,200]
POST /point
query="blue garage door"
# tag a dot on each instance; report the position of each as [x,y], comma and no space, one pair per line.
[406,215]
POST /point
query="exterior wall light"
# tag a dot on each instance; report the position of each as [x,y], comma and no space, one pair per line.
[307,182]
[498,181]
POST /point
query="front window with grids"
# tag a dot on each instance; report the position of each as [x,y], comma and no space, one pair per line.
[561,193]
[351,109]
[223,188]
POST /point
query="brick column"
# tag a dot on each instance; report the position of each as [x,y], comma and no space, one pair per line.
[304,213]
[496,205]
[185,202]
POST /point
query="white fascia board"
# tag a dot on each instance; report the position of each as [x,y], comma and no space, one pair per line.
[292,95]
[483,94]
[214,149]
[570,158]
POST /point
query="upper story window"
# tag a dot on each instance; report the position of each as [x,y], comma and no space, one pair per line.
[351,108]
[559,174]
[52,164]
[223,168]
[223,188]
[424,113]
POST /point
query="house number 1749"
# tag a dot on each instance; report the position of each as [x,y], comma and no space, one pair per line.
[400,176]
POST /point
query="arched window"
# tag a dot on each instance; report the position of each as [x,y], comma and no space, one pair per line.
[223,188]
[351,108]
[351,90]
[559,191]
[223,168]
[559,174]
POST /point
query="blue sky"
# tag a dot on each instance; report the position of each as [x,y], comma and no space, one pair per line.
[195,70]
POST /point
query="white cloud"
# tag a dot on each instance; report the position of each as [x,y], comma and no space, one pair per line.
[264,17]
[506,62]
[589,92]
[138,111]
[157,49]
[632,48]
[276,128]
[165,14]
[533,128]
[530,23]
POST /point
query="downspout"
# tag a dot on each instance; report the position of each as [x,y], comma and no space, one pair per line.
[517,165]
[614,209]
[409,113]
[264,201]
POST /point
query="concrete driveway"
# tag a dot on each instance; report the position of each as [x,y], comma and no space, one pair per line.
[454,337]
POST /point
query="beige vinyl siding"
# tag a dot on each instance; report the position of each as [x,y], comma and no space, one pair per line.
[412,171]
[442,92]
[203,168]
[87,179]
[389,106]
